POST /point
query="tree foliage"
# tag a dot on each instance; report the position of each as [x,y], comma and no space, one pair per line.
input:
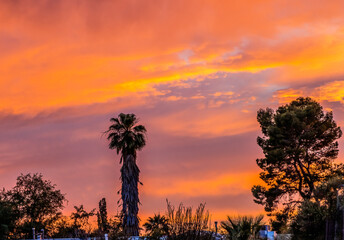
[8,217]
[242,227]
[324,211]
[37,202]
[116,228]
[127,137]
[299,143]
[157,226]
[80,219]
[103,224]
[35,197]
[309,222]
[62,228]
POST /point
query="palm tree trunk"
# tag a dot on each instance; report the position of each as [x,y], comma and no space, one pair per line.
[130,196]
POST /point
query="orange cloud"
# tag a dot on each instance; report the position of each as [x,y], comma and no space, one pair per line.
[82,56]
[332,92]
[285,96]
[232,184]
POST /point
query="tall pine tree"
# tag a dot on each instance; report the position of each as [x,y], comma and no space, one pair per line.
[299,143]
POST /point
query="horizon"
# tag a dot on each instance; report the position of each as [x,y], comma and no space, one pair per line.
[194,74]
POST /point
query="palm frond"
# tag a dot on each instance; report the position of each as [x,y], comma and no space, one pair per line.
[242,227]
[139,129]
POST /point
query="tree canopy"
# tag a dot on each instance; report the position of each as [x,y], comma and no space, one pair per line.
[32,203]
[315,219]
[35,198]
[8,217]
[125,135]
[299,143]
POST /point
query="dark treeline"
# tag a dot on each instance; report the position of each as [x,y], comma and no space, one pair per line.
[36,203]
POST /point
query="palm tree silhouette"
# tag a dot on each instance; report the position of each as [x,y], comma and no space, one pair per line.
[157,226]
[127,138]
[242,227]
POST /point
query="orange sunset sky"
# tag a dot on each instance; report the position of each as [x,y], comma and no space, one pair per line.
[194,72]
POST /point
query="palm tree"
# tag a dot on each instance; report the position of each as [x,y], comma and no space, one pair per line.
[242,227]
[127,138]
[157,226]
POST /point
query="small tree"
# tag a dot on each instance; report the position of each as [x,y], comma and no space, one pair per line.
[80,220]
[157,226]
[102,218]
[37,200]
[116,228]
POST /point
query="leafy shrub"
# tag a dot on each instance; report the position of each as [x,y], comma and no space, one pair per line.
[242,227]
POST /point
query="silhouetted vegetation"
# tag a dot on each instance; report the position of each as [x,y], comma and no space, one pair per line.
[35,203]
[127,138]
[80,221]
[324,211]
[157,226]
[303,192]
[299,143]
[116,228]
[8,217]
[242,227]
[183,223]
[102,218]
[310,221]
